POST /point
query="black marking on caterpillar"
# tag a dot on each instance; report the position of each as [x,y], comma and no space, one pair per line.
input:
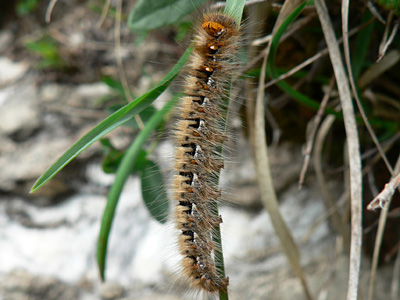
[199,135]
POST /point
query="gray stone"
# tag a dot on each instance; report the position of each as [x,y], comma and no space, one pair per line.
[21,285]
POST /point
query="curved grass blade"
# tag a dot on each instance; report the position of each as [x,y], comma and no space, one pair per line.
[277,37]
[110,123]
[123,172]
[272,71]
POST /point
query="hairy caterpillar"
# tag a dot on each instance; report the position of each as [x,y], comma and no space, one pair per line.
[199,137]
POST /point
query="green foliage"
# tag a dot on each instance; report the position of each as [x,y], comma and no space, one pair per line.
[134,155]
[110,123]
[47,49]
[389,4]
[151,14]
[112,157]
[24,7]
[184,28]
[115,85]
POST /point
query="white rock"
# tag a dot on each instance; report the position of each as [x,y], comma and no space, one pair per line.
[18,108]
[11,71]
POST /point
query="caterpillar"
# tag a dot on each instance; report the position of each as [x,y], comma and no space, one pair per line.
[199,135]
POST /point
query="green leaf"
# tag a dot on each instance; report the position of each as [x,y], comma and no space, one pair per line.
[112,157]
[151,14]
[47,49]
[110,123]
[153,192]
[389,4]
[277,37]
[114,84]
[145,115]
[24,7]
[124,170]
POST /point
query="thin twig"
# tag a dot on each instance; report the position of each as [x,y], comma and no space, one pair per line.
[396,277]
[326,194]
[377,69]
[292,29]
[385,43]
[353,148]
[49,10]
[121,72]
[222,4]
[386,194]
[375,12]
[310,138]
[389,41]
[103,13]
[383,200]
[312,58]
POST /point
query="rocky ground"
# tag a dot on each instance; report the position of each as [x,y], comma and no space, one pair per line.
[48,239]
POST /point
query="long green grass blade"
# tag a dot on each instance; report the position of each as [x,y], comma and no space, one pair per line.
[123,172]
[272,71]
[110,123]
[277,37]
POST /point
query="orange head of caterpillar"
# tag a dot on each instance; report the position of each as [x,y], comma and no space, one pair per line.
[213,28]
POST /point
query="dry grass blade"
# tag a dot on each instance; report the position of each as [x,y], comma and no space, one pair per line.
[345,14]
[121,72]
[50,10]
[268,194]
[326,194]
[383,201]
[379,68]
[385,40]
[103,13]
[292,29]
[375,12]
[382,67]
[396,277]
[353,149]
[310,138]
[311,59]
